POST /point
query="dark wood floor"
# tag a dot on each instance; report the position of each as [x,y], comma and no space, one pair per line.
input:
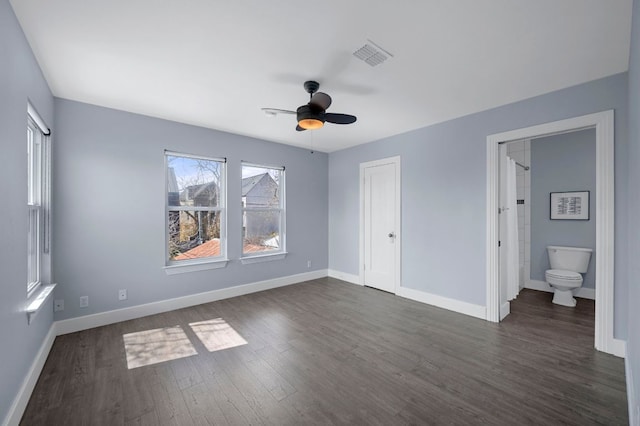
[327,352]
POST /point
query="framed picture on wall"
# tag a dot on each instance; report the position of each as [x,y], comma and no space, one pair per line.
[569,205]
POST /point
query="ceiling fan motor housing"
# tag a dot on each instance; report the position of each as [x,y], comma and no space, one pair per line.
[311,86]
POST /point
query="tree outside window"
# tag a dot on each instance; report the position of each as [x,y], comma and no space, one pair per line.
[195,208]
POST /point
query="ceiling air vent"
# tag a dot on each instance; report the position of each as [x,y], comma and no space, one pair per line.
[372,54]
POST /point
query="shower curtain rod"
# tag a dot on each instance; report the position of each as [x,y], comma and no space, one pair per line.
[523,166]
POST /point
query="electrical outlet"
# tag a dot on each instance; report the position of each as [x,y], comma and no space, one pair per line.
[84,301]
[122,294]
[58,305]
[308,264]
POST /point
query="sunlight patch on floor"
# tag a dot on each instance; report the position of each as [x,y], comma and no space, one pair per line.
[216,334]
[154,346]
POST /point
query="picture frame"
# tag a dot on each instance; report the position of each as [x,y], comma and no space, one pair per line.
[569,205]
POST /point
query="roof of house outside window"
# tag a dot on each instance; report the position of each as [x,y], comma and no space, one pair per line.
[211,248]
[250,182]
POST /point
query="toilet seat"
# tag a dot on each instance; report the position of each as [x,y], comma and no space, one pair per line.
[561,274]
[563,281]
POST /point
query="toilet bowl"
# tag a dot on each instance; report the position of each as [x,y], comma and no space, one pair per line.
[565,283]
[567,265]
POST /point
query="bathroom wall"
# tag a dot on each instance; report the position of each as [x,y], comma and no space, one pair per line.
[520,151]
[562,163]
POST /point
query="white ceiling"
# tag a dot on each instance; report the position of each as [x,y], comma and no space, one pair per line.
[215,63]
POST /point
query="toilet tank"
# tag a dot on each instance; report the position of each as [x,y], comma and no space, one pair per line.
[574,259]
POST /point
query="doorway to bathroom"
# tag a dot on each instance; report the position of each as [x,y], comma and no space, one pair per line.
[602,123]
[547,198]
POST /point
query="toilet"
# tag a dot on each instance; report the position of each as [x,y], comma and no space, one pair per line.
[567,265]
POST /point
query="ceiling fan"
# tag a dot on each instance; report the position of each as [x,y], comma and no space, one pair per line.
[314,114]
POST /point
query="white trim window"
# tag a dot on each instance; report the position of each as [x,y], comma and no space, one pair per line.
[263,210]
[195,209]
[37,201]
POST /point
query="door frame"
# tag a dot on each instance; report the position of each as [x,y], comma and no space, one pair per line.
[398,230]
[603,122]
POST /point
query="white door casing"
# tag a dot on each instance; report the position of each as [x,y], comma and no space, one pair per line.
[604,124]
[380,224]
[504,303]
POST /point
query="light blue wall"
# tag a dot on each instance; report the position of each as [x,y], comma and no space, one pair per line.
[20,79]
[109,220]
[633,342]
[444,192]
[562,163]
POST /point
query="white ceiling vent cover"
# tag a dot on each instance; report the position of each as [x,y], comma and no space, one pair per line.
[372,54]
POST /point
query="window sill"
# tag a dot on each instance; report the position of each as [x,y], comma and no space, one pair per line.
[194,267]
[263,258]
[38,298]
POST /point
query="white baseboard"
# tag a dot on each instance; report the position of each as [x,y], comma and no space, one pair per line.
[29,383]
[350,278]
[618,348]
[585,293]
[505,309]
[110,317]
[470,309]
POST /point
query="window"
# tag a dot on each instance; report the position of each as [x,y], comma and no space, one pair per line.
[37,200]
[195,209]
[263,214]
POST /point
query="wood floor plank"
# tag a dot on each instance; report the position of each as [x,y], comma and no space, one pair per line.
[257,397]
[278,386]
[147,419]
[202,406]
[168,398]
[233,405]
[327,352]
[137,394]
[107,403]
[313,381]
[55,375]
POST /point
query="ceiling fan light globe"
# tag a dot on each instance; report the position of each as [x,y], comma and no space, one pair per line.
[310,123]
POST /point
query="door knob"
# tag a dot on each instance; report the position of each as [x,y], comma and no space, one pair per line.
[391,235]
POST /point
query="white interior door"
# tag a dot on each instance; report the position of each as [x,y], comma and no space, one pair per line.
[381,218]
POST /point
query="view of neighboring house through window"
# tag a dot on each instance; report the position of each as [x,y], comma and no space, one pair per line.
[195,208]
[36,192]
[263,214]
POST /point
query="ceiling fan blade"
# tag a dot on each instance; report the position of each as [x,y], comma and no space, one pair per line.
[300,129]
[339,118]
[275,111]
[320,100]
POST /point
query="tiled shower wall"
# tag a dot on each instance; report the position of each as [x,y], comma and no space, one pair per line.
[521,152]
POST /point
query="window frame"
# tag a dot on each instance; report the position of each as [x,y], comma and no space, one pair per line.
[281,252]
[211,262]
[38,201]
